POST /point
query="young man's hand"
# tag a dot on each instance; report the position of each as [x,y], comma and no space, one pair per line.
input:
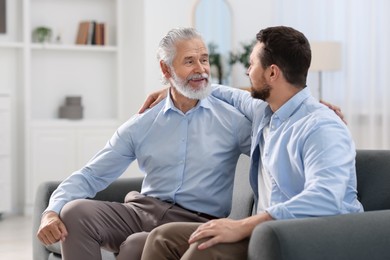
[227,230]
[153,99]
[218,231]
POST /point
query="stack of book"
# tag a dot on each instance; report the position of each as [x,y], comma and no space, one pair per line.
[92,32]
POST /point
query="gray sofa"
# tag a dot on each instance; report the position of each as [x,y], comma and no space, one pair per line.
[353,236]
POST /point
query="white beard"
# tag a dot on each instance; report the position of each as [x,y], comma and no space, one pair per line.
[184,88]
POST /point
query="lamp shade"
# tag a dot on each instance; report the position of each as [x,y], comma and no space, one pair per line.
[325,55]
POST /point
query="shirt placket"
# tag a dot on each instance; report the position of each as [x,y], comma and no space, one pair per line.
[273,126]
[181,163]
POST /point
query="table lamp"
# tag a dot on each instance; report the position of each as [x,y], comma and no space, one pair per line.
[325,56]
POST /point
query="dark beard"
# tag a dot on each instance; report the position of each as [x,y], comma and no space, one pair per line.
[262,94]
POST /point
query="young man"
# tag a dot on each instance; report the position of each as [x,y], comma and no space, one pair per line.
[171,142]
[302,155]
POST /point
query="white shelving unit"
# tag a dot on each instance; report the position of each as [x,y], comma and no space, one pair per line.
[57,147]
[11,45]
[11,54]
[38,76]
[56,70]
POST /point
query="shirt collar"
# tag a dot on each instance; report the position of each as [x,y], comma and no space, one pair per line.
[205,103]
[285,111]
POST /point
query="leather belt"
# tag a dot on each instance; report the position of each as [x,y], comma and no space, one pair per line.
[200,214]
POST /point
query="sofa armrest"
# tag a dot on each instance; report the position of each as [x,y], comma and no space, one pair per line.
[351,236]
[114,192]
[42,197]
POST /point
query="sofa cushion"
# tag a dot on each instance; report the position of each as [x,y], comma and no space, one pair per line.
[56,248]
[56,252]
[242,202]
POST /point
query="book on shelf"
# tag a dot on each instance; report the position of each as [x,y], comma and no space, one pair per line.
[100,34]
[92,33]
[82,34]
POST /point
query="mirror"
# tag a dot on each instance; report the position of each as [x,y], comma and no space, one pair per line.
[212,18]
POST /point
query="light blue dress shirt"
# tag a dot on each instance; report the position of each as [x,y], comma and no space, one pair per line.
[188,159]
[309,154]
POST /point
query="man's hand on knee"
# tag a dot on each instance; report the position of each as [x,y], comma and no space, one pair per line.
[52,229]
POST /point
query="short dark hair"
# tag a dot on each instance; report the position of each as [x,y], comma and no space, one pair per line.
[287,48]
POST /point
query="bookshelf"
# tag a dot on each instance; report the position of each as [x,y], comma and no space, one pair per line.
[60,68]
[35,79]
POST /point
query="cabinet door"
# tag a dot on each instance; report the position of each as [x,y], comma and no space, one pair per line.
[5,171]
[5,184]
[5,125]
[52,156]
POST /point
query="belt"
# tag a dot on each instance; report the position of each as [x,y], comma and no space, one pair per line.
[200,214]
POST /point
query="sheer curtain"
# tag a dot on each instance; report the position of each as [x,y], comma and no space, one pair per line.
[360,88]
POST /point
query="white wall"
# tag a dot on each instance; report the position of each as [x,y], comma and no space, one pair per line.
[160,17]
[249,17]
[133,57]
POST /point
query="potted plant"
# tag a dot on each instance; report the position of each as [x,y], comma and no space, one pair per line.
[243,55]
[42,34]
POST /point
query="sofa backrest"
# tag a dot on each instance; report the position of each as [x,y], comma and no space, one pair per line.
[242,203]
[373,178]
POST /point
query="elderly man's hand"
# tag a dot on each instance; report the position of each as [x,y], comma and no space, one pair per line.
[52,229]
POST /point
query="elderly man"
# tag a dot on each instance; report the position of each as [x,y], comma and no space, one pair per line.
[302,155]
[171,142]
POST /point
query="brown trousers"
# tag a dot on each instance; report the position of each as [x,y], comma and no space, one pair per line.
[170,242]
[121,228]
